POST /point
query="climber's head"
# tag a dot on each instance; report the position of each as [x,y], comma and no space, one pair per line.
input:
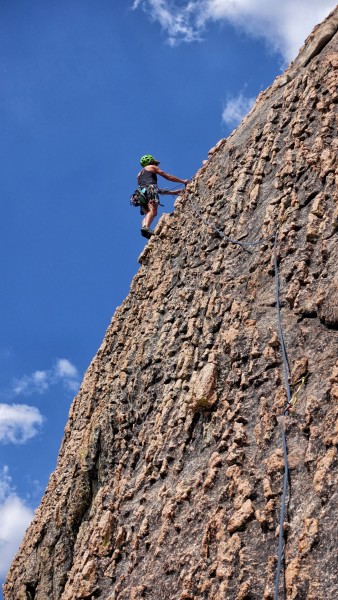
[148,159]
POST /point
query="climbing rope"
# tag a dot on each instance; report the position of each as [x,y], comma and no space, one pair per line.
[221,234]
[286,376]
[285,413]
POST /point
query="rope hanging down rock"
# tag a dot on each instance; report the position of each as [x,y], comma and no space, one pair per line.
[286,376]
[285,413]
[221,234]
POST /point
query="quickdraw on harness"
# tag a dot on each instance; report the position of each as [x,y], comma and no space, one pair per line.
[138,198]
[143,195]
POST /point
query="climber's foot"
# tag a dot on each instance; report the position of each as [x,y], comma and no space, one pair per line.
[146,232]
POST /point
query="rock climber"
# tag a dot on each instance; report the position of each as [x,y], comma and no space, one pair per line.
[147,182]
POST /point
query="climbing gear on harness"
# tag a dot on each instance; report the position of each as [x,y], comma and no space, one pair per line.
[150,192]
[148,159]
[146,232]
[138,198]
[143,195]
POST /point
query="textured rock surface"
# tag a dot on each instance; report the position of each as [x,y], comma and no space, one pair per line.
[169,478]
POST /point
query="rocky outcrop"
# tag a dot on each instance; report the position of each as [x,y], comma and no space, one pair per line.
[169,478]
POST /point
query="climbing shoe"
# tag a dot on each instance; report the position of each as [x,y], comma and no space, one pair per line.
[146,232]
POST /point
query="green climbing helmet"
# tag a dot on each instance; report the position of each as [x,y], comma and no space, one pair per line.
[148,159]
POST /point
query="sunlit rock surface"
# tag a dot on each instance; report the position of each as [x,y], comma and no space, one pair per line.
[169,478]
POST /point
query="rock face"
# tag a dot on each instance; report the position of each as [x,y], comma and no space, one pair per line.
[169,479]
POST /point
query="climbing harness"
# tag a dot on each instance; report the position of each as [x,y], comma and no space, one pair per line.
[143,195]
[290,400]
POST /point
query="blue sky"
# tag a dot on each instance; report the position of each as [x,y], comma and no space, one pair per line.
[87,87]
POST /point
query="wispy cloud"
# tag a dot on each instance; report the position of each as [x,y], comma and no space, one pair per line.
[40,381]
[235,109]
[19,423]
[65,370]
[179,20]
[15,517]
[283,25]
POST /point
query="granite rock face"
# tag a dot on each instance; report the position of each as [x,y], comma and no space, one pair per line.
[169,478]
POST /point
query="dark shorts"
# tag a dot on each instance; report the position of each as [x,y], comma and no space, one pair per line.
[151,193]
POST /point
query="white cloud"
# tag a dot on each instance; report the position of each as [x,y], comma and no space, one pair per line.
[15,517]
[178,21]
[235,109]
[283,25]
[18,423]
[40,381]
[29,384]
[65,369]
[67,373]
